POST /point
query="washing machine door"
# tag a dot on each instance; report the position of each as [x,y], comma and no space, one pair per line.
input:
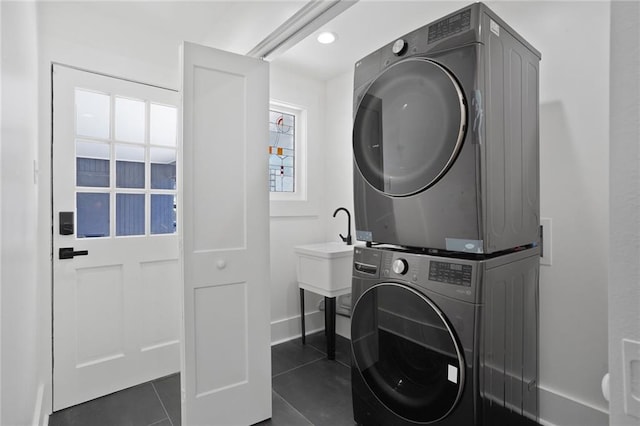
[409,127]
[407,353]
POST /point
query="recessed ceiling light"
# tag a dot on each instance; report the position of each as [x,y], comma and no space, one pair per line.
[326,37]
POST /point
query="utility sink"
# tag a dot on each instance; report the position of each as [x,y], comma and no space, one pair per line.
[325,268]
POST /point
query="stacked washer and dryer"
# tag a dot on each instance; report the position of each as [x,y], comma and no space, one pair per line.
[444,325]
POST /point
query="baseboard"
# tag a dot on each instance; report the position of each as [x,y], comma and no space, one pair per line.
[557,409]
[40,418]
[286,329]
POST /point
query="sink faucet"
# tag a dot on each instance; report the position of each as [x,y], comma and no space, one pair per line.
[346,239]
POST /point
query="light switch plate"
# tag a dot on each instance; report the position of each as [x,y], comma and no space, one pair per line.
[545,249]
[631,374]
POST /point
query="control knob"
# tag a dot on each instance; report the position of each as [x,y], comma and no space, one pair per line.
[400,266]
[399,47]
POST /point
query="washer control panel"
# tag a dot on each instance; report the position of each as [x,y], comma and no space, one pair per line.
[444,275]
[450,273]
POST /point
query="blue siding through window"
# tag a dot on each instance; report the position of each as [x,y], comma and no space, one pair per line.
[92,172]
[129,174]
[129,214]
[163,214]
[163,176]
[93,215]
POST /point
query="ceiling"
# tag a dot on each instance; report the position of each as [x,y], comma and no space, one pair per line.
[361,29]
[238,26]
[235,26]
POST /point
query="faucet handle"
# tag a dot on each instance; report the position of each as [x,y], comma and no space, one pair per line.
[346,239]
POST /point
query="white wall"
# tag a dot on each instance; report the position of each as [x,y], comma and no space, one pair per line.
[297,222]
[574,113]
[624,273]
[21,338]
[574,40]
[338,178]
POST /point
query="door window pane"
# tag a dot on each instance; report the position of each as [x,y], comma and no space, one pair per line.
[92,214]
[130,120]
[163,214]
[129,214]
[92,164]
[163,168]
[129,166]
[92,114]
[163,121]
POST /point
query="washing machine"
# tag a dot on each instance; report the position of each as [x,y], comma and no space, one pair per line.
[445,137]
[444,341]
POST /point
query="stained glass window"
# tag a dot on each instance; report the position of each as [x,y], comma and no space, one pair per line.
[282,141]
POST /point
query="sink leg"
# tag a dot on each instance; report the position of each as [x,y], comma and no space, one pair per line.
[330,323]
[302,328]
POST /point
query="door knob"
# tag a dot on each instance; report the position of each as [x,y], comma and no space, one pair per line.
[69,253]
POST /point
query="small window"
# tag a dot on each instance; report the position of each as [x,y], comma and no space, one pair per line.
[291,183]
[282,151]
[287,146]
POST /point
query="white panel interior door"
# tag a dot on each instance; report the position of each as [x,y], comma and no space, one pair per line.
[226,376]
[116,310]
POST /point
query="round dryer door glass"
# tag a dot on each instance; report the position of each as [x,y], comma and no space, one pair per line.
[407,353]
[409,127]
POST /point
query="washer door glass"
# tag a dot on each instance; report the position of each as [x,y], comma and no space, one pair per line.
[409,127]
[406,352]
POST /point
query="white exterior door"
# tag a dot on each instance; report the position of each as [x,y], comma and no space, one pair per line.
[226,374]
[116,309]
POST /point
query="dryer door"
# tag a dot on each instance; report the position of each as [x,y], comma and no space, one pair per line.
[409,127]
[407,353]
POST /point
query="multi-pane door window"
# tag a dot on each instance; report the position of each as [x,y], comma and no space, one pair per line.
[126,156]
[282,146]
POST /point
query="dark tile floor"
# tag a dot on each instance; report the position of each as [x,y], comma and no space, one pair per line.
[308,389]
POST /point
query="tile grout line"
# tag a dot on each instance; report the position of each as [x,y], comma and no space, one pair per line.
[295,368]
[292,407]
[162,404]
[159,421]
[324,355]
[310,345]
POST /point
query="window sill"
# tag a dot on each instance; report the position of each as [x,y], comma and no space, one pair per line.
[292,208]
